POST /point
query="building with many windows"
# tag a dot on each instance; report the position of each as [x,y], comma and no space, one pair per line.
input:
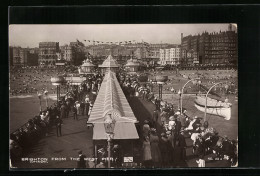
[47,53]
[211,48]
[170,56]
[20,56]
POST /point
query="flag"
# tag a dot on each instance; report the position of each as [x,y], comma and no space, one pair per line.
[79,43]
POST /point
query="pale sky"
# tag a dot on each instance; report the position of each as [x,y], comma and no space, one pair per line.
[31,35]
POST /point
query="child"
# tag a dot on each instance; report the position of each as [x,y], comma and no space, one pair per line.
[201,161]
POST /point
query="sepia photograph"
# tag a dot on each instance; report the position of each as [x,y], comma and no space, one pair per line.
[143,96]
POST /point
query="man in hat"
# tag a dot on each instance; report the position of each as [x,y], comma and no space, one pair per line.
[171,138]
[178,125]
[157,103]
[117,155]
[163,116]
[75,114]
[226,146]
[196,122]
[155,117]
[63,111]
[87,105]
[82,107]
[58,123]
[183,144]
[81,163]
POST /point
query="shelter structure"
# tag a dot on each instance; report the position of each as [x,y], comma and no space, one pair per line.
[86,68]
[112,101]
[132,66]
[110,64]
[75,80]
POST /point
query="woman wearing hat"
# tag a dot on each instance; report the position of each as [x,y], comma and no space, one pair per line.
[171,123]
[166,149]
[147,156]
[146,128]
[156,153]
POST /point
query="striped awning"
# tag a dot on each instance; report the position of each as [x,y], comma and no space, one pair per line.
[111,99]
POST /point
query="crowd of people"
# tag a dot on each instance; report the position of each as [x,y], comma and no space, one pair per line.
[77,101]
[33,79]
[164,133]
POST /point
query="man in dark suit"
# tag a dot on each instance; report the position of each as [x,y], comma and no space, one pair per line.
[155,118]
[82,106]
[178,125]
[183,144]
[87,107]
[157,103]
[58,123]
[63,111]
[81,162]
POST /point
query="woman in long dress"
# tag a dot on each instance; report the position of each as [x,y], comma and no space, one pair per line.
[166,150]
[156,153]
[147,156]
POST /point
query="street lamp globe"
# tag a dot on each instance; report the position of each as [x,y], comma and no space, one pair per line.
[226,86]
[179,92]
[109,124]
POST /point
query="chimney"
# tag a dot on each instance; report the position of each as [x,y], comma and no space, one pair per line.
[181,37]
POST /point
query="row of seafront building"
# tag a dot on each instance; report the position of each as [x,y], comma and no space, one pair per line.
[206,48]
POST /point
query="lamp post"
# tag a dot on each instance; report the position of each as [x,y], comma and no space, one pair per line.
[205,113]
[151,84]
[40,98]
[172,90]
[109,125]
[160,80]
[58,81]
[194,81]
[179,93]
[46,97]
[199,83]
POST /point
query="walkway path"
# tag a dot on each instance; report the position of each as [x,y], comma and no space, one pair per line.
[75,137]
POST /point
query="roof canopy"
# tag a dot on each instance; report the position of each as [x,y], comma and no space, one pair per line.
[109,62]
[111,100]
[87,63]
[75,80]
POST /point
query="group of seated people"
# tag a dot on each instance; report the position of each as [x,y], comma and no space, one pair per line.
[205,139]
